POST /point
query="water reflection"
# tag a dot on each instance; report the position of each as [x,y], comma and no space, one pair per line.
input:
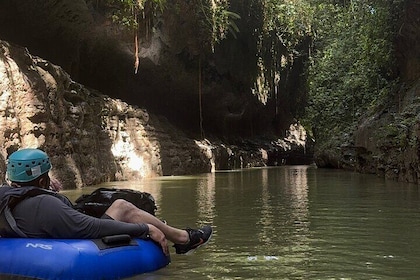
[266,221]
[292,222]
[206,194]
[283,226]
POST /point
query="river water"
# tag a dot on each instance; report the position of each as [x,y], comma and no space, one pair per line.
[290,222]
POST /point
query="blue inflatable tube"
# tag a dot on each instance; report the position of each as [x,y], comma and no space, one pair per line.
[79,259]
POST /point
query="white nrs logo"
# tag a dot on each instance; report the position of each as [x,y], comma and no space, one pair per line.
[39,245]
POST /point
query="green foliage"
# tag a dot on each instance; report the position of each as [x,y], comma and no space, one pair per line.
[285,26]
[231,25]
[350,70]
[289,21]
[214,16]
[217,18]
[128,12]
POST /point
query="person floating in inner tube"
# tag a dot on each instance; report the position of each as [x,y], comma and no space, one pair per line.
[30,208]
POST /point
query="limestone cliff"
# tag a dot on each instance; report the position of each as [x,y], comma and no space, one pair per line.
[92,138]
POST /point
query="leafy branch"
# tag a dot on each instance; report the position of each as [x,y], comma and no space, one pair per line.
[219,19]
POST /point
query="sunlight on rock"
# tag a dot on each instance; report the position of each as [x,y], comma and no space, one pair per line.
[125,152]
[297,134]
[207,148]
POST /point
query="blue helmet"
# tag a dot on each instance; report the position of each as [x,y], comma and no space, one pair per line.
[27,164]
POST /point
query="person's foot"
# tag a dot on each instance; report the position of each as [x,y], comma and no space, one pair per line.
[198,238]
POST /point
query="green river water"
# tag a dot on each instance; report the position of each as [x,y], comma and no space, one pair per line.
[290,222]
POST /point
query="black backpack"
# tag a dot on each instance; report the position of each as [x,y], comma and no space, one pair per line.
[96,203]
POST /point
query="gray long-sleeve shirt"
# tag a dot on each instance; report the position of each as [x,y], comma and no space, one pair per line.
[45,216]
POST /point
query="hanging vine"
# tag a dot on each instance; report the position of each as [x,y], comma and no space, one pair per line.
[286,24]
[128,14]
[218,19]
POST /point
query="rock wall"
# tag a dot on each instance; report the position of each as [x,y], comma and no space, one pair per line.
[92,138]
[388,142]
[385,143]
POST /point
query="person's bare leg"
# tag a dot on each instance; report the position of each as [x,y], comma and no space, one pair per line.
[122,210]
